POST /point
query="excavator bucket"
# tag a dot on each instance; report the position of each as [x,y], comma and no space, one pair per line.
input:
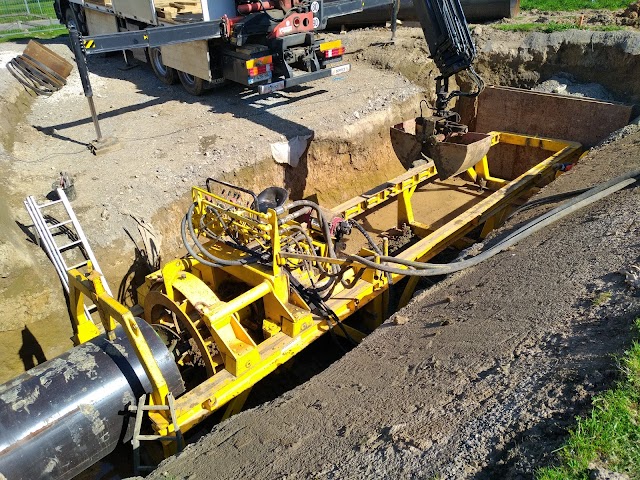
[459,153]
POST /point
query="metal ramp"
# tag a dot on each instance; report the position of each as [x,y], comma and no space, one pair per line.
[47,228]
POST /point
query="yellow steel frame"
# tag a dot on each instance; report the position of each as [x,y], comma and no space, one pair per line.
[289,324]
[111,313]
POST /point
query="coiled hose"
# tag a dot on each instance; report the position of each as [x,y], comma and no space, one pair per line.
[210,260]
[35,75]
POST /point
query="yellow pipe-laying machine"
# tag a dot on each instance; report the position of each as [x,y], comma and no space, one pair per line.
[263,279]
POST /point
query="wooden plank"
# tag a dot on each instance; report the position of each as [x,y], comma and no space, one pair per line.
[141,10]
[166,12]
[578,119]
[190,57]
[48,57]
[99,23]
[187,7]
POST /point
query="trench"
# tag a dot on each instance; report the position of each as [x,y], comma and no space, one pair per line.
[364,160]
[435,204]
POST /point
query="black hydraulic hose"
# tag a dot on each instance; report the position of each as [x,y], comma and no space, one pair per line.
[220,219]
[476,79]
[373,245]
[350,284]
[294,215]
[366,235]
[321,218]
[309,241]
[429,269]
[314,301]
[550,199]
[190,251]
[212,261]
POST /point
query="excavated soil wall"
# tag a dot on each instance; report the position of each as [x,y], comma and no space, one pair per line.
[608,58]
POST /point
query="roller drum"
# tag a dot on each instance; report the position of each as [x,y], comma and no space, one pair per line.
[64,415]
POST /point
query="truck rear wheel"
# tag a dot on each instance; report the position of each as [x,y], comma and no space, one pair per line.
[71,15]
[193,85]
[167,75]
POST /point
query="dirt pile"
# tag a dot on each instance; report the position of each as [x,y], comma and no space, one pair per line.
[565,84]
[584,18]
[630,15]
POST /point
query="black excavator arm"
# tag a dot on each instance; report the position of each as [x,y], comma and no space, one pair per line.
[447,34]
[450,45]
[453,51]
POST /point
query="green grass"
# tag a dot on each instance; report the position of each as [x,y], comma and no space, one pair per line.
[28,20]
[610,436]
[552,27]
[42,8]
[40,33]
[600,298]
[568,5]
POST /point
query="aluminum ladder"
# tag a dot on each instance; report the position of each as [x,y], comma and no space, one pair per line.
[45,226]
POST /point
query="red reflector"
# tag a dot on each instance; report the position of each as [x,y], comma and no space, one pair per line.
[334,52]
[252,72]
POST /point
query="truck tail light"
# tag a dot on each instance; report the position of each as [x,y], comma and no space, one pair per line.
[259,66]
[334,52]
[332,49]
[260,69]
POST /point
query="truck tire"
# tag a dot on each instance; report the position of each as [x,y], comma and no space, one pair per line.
[193,85]
[167,75]
[71,14]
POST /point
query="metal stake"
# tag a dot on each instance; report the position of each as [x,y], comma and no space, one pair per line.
[100,144]
[394,19]
[94,117]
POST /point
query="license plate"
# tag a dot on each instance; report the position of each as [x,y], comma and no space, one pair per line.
[340,69]
[271,87]
[260,78]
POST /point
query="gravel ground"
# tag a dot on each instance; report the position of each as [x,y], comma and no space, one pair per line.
[565,84]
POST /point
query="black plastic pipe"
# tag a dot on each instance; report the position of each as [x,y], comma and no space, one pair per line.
[64,415]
